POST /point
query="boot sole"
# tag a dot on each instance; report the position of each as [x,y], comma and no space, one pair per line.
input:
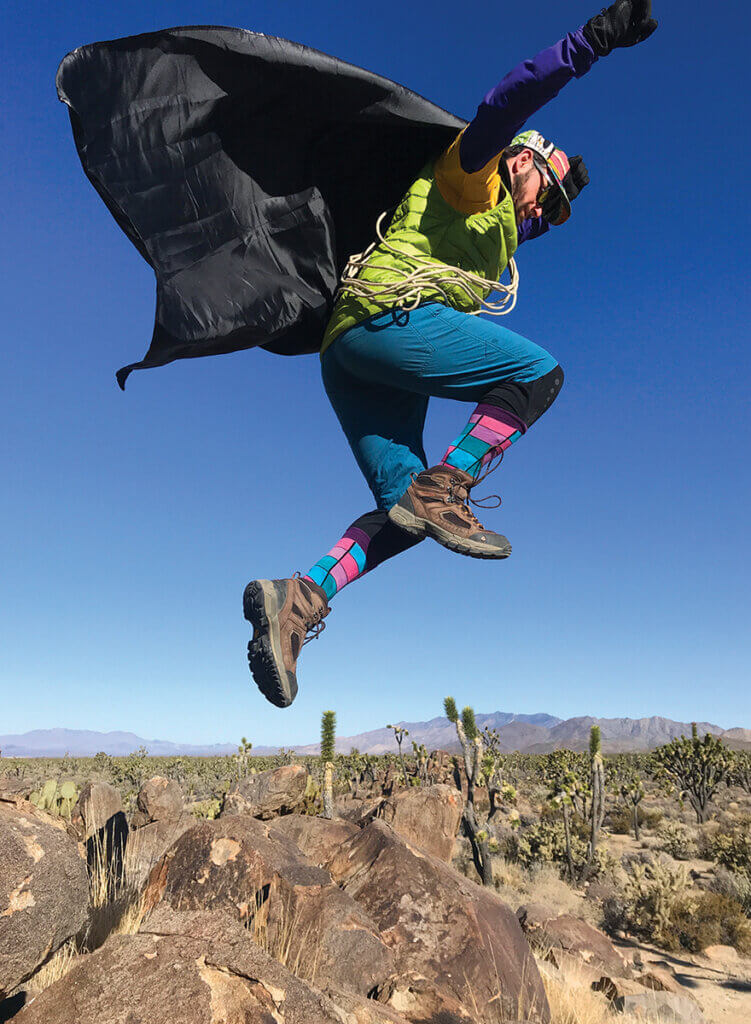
[419,527]
[265,659]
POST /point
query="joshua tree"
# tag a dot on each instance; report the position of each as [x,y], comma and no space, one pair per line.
[597,803]
[243,757]
[695,767]
[741,775]
[420,752]
[469,737]
[628,784]
[400,734]
[563,783]
[328,742]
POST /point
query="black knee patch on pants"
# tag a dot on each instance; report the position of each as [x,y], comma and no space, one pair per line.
[526,401]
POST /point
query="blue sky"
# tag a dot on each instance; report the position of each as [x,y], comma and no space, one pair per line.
[130,523]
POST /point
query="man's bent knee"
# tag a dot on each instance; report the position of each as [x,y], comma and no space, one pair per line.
[526,400]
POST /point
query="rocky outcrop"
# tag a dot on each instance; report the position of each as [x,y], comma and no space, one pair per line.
[44,890]
[240,865]
[428,816]
[158,799]
[441,926]
[195,968]
[268,794]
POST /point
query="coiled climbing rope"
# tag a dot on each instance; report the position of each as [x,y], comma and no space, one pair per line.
[406,293]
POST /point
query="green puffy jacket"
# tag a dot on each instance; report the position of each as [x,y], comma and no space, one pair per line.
[425,223]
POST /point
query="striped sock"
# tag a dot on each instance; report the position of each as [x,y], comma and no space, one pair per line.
[344,563]
[490,430]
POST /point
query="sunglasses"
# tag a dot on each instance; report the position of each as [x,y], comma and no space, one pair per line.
[547,182]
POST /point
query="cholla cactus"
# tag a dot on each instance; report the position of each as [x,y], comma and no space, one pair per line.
[695,767]
[653,891]
[328,743]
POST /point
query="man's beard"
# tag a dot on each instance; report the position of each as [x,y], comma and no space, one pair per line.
[517,188]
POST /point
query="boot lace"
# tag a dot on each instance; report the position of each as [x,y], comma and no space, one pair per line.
[315,625]
[459,492]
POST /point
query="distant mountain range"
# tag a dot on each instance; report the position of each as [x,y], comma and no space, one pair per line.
[530,734]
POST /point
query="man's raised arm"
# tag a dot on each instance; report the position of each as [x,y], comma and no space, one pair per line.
[535,82]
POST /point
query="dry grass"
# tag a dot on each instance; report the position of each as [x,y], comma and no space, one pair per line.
[572,1001]
[115,908]
[55,968]
[540,884]
[276,926]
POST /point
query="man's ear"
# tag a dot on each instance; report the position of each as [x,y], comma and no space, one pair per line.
[521,161]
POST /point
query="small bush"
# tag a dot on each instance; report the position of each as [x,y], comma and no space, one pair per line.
[652,816]
[735,885]
[621,820]
[709,920]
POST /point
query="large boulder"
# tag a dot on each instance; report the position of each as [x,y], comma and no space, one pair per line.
[572,937]
[441,926]
[237,864]
[158,799]
[44,889]
[268,794]
[318,838]
[427,816]
[147,845]
[191,968]
[98,803]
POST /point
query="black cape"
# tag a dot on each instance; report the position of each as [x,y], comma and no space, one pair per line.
[245,169]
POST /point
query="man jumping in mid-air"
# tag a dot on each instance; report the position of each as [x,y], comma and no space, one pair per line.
[402,330]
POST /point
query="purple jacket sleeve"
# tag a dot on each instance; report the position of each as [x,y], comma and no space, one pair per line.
[531,85]
[532,227]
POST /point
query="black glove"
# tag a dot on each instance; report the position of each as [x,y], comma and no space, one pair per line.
[576,178]
[624,23]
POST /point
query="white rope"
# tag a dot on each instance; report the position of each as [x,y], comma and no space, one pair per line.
[407,293]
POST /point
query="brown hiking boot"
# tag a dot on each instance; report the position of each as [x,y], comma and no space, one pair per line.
[436,504]
[282,613]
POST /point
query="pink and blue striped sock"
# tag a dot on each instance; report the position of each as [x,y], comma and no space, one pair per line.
[490,430]
[343,564]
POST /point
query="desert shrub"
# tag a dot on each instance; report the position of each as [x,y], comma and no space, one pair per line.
[732,848]
[677,840]
[621,819]
[652,816]
[735,885]
[708,920]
